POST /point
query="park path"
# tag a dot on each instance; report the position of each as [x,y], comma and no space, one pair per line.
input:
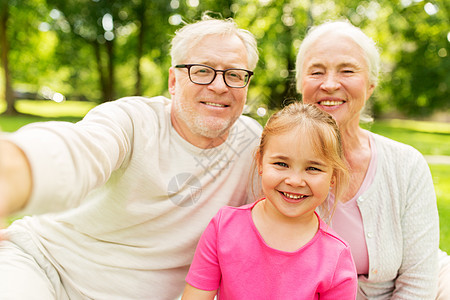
[438,159]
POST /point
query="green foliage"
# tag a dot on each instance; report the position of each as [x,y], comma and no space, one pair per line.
[61,44]
[419,78]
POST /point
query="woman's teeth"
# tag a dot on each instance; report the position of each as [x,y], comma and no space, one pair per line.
[331,102]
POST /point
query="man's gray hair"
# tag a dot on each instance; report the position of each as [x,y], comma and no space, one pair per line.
[189,35]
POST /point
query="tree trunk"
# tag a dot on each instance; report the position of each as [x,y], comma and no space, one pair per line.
[110,94]
[101,73]
[310,15]
[140,48]
[4,47]
[290,93]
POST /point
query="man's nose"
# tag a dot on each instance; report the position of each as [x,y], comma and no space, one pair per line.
[218,85]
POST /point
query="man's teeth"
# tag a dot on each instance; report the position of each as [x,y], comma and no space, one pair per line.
[214,104]
[292,196]
[331,102]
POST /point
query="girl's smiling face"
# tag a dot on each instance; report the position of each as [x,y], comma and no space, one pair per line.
[295,179]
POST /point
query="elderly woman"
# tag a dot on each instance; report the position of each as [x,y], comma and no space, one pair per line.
[388,214]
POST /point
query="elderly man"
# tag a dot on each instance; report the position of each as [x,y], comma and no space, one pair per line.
[120,198]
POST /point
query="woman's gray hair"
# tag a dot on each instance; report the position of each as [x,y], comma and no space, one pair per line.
[189,35]
[344,27]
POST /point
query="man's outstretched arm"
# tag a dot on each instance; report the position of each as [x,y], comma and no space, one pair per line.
[15,178]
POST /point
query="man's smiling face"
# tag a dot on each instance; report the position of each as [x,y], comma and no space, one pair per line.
[206,112]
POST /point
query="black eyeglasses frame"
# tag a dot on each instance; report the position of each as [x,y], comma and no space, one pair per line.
[188,66]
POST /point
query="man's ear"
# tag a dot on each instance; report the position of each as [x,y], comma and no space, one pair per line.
[172,81]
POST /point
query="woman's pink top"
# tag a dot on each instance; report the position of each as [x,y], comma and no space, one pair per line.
[347,220]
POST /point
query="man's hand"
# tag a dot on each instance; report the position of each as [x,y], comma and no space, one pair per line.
[3,224]
[15,179]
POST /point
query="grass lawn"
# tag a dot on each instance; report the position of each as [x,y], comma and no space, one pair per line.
[71,111]
[430,138]
[441,178]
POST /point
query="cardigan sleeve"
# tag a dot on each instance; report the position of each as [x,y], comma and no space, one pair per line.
[401,225]
[418,273]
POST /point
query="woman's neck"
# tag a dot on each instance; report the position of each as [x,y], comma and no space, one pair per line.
[358,154]
[354,139]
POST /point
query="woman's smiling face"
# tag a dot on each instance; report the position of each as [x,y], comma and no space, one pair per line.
[335,77]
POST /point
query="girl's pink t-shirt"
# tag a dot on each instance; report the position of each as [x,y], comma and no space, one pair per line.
[233,257]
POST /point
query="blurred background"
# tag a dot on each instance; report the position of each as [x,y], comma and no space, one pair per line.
[60,58]
[99,50]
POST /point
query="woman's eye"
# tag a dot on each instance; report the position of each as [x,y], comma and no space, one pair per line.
[348,71]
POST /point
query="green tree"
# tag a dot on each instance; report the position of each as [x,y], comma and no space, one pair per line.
[99,49]
[131,60]
[94,23]
[21,48]
[419,80]
[4,47]
[148,45]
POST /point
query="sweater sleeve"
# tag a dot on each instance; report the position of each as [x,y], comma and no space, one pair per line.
[69,160]
[204,272]
[418,273]
[345,281]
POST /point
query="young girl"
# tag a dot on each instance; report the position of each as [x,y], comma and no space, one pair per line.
[278,247]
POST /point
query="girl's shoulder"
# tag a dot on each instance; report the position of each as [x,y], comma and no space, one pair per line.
[227,214]
[331,237]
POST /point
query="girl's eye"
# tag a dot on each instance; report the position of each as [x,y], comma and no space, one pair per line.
[314,169]
[281,164]
[317,73]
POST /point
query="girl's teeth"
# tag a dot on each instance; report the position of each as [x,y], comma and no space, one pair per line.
[291,196]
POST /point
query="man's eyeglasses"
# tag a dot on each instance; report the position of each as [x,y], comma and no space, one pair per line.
[202,74]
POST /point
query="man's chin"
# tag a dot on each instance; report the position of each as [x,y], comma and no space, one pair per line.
[213,127]
[213,132]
